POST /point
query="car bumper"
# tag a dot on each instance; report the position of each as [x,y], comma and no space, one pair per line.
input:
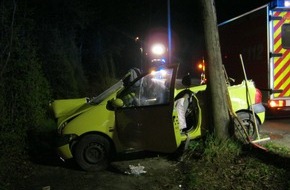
[259,109]
[64,152]
[63,146]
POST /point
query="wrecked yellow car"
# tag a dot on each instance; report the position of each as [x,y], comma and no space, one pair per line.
[146,112]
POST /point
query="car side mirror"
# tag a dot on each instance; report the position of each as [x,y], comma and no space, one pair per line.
[114,104]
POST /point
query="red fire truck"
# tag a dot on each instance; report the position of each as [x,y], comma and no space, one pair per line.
[261,37]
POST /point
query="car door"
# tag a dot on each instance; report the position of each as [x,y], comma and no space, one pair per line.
[147,124]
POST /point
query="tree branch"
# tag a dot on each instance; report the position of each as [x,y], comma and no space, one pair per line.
[11,39]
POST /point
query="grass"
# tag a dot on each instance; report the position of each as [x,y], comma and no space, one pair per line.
[279,150]
[13,159]
[17,151]
[229,165]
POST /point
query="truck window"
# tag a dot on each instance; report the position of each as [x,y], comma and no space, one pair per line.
[286,36]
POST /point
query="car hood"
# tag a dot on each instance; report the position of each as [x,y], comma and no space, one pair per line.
[67,107]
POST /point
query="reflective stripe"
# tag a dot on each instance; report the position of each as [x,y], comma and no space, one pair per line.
[287,102]
[281,64]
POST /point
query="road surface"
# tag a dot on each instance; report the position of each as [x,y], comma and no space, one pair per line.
[278,130]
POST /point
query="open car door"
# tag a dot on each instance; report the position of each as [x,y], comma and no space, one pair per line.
[145,121]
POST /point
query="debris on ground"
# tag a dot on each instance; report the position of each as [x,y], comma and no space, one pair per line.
[136,170]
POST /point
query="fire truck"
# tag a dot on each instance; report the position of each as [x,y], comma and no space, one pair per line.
[260,39]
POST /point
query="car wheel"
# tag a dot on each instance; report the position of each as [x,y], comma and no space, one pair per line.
[92,152]
[248,122]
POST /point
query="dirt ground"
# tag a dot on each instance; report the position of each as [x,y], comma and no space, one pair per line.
[155,173]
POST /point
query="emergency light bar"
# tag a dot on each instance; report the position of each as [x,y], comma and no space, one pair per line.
[280,4]
[159,73]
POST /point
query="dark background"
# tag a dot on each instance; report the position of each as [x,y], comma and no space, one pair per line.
[82,47]
[55,49]
[116,24]
[187,26]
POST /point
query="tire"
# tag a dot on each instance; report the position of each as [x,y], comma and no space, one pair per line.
[248,122]
[92,153]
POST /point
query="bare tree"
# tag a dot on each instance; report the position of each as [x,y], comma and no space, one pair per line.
[9,45]
[216,83]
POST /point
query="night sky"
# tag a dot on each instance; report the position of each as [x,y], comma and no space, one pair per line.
[187,28]
[146,19]
[227,9]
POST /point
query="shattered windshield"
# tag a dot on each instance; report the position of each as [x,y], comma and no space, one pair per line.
[106,93]
[152,89]
[126,80]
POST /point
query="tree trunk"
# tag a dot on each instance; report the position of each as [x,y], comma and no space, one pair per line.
[216,78]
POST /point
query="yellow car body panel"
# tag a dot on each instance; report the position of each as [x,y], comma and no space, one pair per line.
[90,119]
[65,107]
[96,116]
[64,152]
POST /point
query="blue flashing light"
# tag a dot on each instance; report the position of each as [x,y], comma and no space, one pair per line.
[158,60]
[287,3]
[280,4]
